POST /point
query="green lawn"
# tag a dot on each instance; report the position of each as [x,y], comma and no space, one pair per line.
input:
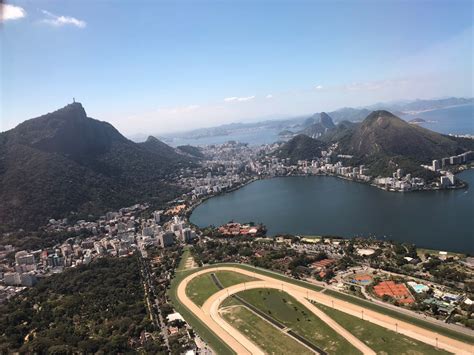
[294,315]
[270,339]
[184,257]
[422,251]
[202,287]
[403,317]
[378,338]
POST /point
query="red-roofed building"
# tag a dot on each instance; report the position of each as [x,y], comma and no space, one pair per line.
[322,264]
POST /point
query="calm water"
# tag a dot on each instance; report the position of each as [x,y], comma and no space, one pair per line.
[323,205]
[455,120]
[256,137]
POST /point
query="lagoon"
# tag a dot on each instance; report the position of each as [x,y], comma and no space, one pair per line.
[326,205]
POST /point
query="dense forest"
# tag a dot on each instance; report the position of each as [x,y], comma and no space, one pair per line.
[88,309]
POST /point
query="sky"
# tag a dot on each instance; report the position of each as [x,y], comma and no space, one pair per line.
[154,67]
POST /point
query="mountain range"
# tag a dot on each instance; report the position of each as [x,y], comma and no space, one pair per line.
[383,142]
[65,162]
[298,123]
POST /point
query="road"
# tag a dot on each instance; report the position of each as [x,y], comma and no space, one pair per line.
[155,309]
[210,316]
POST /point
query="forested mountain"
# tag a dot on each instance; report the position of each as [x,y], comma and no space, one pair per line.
[66,162]
[191,150]
[384,141]
[155,146]
[301,147]
[384,133]
[322,124]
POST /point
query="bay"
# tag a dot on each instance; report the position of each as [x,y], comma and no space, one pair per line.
[449,120]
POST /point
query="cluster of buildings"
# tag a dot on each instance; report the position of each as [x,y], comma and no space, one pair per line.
[400,182]
[441,166]
[155,233]
[209,184]
[116,234]
[327,164]
[232,164]
[453,160]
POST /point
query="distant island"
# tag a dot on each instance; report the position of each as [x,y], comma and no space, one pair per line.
[417,121]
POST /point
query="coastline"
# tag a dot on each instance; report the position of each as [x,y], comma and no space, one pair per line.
[414,113]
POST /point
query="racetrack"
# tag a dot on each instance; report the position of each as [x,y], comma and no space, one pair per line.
[210,316]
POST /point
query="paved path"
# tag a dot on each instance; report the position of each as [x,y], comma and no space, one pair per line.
[210,316]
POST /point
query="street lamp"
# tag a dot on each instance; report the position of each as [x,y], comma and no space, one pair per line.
[362,314]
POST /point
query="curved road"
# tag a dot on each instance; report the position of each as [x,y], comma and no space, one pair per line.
[209,315]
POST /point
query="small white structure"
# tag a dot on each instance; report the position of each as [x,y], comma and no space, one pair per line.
[365,252]
[174,316]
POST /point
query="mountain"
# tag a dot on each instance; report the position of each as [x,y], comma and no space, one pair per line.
[191,151]
[155,146]
[300,147]
[65,162]
[341,130]
[384,140]
[323,123]
[350,114]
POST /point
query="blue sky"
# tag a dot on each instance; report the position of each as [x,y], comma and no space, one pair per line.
[156,66]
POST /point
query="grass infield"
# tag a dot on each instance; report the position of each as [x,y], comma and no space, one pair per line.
[287,310]
[202,287]
[270,339]
[378,338]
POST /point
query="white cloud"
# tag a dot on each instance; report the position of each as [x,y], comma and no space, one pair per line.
[11,12]
[318,87]
[269,96]
[239,99]
[58,21]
